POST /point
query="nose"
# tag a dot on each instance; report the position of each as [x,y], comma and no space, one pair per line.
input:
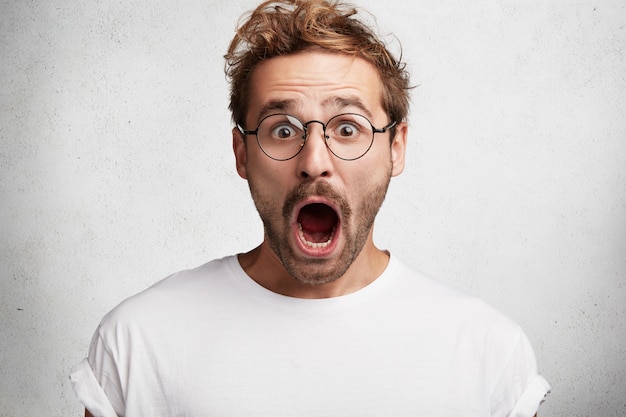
[315,159]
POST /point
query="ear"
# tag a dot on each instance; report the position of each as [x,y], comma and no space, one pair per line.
[239,148]
[398,148]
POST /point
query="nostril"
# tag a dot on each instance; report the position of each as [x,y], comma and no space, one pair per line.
[304,174]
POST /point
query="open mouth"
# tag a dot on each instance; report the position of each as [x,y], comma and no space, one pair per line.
[317,223]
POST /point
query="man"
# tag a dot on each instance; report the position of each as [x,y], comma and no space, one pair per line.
[316,321]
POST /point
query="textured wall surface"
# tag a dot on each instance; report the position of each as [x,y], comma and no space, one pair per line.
[116,170]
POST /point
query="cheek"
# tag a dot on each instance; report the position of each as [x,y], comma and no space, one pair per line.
[267,179]
[360,185]
[375,167]
[368,183]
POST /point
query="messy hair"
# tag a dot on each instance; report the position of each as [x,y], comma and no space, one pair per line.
[283,27]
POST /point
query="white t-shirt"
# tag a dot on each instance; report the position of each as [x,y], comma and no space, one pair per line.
[212,342]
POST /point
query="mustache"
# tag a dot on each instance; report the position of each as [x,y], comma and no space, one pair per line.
[319,189]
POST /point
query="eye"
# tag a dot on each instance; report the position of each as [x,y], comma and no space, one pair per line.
[284,131]
[347,129]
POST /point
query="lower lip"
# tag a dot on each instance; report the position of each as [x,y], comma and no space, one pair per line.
[318,253]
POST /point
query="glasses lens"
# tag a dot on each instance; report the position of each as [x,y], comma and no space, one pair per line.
[281,136]
[350,136]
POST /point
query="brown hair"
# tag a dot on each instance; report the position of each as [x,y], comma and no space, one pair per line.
[283,27]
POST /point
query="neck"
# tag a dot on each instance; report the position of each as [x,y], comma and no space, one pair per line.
[264,267]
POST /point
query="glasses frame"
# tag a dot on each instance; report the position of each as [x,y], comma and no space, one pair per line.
[305,137]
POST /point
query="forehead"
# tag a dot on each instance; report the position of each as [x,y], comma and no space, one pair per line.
[314,84]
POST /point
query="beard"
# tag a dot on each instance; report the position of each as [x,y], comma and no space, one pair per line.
[357,223]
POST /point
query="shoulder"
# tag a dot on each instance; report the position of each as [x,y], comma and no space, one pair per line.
[180,292]
[448,306]
[411,284]
[472,329]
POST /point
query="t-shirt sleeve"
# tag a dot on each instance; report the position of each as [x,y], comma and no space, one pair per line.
[96,381]
[89,392]
[520,389]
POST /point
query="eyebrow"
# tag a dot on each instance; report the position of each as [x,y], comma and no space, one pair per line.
[342,102]
[276,105]
[289,105]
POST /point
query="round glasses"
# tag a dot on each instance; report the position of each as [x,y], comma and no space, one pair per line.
[348,136]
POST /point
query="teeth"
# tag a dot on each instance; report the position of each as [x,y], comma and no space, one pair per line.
[315,245]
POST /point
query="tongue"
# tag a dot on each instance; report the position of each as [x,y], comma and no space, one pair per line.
[317,221]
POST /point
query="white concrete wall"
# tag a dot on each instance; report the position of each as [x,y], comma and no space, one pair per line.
[116,169]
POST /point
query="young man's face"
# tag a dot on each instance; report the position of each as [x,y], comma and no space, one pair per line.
[318,210]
